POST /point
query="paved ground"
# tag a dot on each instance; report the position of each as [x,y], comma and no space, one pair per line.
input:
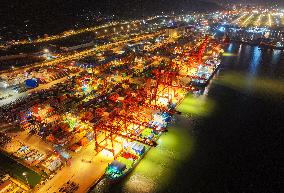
[40,87]
[82,172]
[70,58]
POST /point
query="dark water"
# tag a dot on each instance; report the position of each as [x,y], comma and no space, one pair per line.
[236,147]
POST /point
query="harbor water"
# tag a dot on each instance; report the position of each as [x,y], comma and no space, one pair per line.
[225,141]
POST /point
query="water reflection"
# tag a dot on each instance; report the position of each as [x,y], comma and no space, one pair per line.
[246,53]
[239,51]
[230,48]
[263,86]
[255,61]
[158,168]
[201,106]
[276,56]
[227,151]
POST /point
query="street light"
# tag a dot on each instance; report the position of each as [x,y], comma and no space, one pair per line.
[46,50]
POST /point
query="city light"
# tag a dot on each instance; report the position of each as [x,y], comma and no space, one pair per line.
[91,102]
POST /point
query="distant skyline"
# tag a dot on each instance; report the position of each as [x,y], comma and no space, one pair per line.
[102,3]
[280,2]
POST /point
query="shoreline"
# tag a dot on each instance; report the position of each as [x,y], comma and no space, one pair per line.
[263,46]
[183,116]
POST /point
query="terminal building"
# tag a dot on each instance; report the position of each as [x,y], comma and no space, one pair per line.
[174,32]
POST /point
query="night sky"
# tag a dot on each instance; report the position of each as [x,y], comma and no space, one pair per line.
[39,7]
[54,9]
[280,2]
[53,16]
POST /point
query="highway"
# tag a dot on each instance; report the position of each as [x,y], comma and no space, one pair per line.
[84,53]
[246,22]
[237,21]
[259,20]
[282,20]
[114,24]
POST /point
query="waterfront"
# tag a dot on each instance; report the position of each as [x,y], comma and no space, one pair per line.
[85,113]
[233,148]
[82,104]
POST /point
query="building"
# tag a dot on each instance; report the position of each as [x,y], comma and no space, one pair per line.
[174,32]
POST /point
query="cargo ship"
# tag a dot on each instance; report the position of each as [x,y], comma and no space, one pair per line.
[125,162]
[205,72]
[133,152]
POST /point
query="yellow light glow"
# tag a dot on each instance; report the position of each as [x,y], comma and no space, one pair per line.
[244,23]
[106,153]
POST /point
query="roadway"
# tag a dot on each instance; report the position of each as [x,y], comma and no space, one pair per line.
[259,20]
[84,53]
[84,173]
[237,21]
[71,57]
[63,35]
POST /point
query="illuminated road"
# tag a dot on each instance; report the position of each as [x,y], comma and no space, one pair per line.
[247,20]
[258,21]
[87,52]
[114,25]
[71,57]
[265,19]
[73,33]
[237,21]
[282,20]
[269,20]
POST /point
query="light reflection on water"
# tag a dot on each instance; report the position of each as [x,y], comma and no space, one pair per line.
[265,87]
[230,48]
[239,55]
[276,56]
[240,49]
[243,73]
[139,184]
[253,70]
[158,168]
[255,61]
[249,63]
[245,55]
[177,147]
